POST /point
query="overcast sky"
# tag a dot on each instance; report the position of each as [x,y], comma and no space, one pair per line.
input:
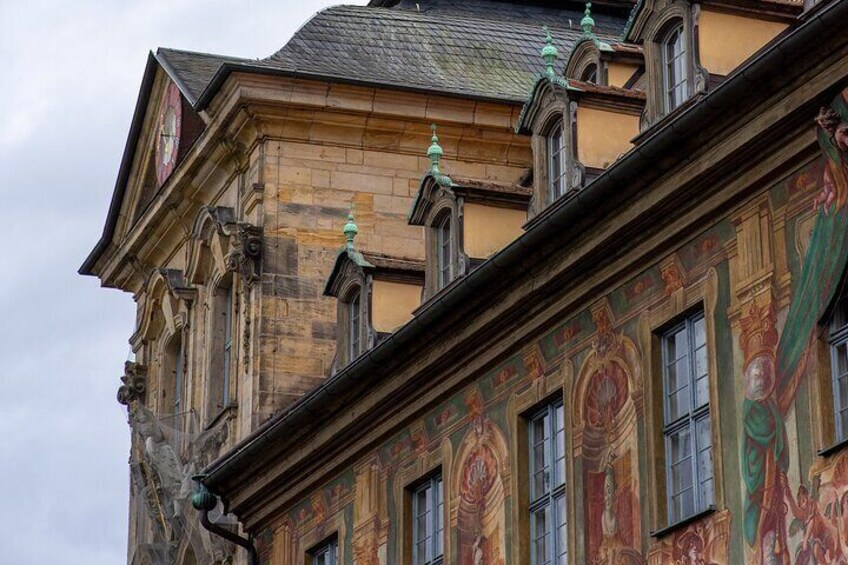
[70,74]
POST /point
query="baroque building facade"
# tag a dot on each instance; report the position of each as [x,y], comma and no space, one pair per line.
[433,285]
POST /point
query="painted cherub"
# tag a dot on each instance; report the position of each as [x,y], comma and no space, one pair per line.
[819,541]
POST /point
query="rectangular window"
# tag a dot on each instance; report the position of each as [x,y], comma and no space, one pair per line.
[444,242]
[557,162]
[326,554]
[548,518]
[428,526]
[838,340]
[228,347]
[687,429]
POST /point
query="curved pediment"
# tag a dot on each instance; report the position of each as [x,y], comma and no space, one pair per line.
[547,92]
[164,292]
[210,242]
[432,187]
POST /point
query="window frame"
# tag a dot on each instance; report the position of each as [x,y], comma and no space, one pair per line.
[328,549]
[837,337]
[433,487]
[554,498]
[690,419]
[677,30]
[557,171]
[353,309]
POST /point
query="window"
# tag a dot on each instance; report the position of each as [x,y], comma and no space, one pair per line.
[838,341]
[353,325]
[444,251]
[687,429]
[590,74]
[228,347]
[326,554]
[173,374]
[548,519]
[427,526]
[556,162]
[675,70]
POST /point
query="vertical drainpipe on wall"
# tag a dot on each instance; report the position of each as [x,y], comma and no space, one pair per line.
[204,502]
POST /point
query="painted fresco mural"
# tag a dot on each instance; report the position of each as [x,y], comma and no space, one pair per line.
[767,274]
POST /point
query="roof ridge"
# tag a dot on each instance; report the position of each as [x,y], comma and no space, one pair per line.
[203,54]
[419,16]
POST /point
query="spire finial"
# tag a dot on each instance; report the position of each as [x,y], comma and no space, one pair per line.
[350,230]
[588,22]
[435,152]
[549,53]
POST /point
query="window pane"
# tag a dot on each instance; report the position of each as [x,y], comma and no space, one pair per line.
[705,462]
[557,162]
[562,531]
[682,505]
[541,457]
[541,528]
[559,446]
[841,359]
[842,418]
[421,532]
[439,518]
[680,455]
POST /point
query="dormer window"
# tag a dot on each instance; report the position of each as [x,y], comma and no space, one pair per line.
[376,294]
[465,221]
[675,68]
[557,162]
[445,245]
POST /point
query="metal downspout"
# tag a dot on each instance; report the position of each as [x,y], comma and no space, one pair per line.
[204,502]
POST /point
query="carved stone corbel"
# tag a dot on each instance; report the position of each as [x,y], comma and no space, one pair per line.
[134,383]
[245,256]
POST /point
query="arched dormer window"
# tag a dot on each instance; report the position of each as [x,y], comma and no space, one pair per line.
[444,249]
[557,161]
[675,67]
[353,309]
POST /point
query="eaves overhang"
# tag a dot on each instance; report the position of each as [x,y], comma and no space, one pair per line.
[229,68]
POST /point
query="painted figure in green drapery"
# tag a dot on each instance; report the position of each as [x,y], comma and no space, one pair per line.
[771,380]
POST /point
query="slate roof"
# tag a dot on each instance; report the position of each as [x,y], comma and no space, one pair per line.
[472,48]
[193,71]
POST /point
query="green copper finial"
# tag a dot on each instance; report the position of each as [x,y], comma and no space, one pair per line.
[350,230]
[435,152]
[549,53]
[588,22]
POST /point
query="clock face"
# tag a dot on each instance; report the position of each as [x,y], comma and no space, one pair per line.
[168,133]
